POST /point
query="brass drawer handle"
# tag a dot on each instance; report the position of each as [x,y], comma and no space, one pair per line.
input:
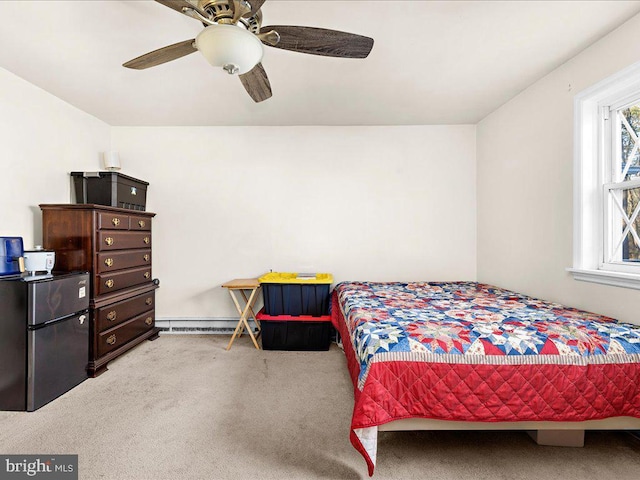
[146,258]
[148,320]
[147,274]
[109,262]
[115,221]
[109,241]
[146,240]
[141,223]
[112,315]
[109,283]
[148,301]
[111,339]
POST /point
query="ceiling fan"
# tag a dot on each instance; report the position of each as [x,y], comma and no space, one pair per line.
[233,37]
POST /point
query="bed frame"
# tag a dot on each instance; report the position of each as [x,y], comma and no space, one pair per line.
[557,434]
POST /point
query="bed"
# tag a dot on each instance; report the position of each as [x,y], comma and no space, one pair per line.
[464,355]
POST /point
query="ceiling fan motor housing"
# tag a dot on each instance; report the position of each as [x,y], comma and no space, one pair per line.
[218,9]
[221,12]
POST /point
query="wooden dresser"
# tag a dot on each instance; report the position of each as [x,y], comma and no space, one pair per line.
[114,244]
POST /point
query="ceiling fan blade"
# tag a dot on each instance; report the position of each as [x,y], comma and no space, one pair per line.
[162,55]
[255,6]
[256,83]
[180,5]
[320,41]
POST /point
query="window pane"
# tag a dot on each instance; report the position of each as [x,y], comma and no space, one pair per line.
[629,151]
[630,201]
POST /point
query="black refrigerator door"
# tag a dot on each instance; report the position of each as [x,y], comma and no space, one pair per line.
[58,297]
[58,358]
[13,345]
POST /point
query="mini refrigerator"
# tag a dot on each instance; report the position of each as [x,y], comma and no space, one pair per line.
[44,337]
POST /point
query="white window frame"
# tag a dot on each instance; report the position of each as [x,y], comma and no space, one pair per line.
[593,153]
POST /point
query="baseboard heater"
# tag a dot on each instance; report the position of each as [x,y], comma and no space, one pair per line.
[215,326]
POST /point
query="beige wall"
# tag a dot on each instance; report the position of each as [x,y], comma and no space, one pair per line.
[42,139]
[376,203]
[364,203]
[525,177]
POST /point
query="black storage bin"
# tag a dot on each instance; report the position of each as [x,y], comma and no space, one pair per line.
[110,188]
[296,299]
[294,334]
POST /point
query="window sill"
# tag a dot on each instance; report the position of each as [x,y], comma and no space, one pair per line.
[616,279]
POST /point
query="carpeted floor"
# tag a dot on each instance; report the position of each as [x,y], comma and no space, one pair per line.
[184,408]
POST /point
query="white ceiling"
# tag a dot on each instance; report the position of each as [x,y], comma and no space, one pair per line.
[433,62]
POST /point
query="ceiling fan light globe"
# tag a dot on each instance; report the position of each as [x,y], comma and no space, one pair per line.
[224,45]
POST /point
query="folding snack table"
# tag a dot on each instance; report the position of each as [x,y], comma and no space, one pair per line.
[244,285]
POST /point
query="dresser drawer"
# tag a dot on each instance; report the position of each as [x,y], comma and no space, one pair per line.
[112,221]
[113,240]
[119,335]
[116,313]
[110,282]
[139,223]
[110,261]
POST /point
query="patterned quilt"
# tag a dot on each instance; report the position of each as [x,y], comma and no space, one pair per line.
[472,352]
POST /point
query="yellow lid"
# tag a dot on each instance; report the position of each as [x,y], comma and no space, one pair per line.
[280,277]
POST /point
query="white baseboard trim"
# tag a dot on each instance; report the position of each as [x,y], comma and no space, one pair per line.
[199,326]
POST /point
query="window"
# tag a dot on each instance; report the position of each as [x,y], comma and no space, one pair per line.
[607,181]
[622,187]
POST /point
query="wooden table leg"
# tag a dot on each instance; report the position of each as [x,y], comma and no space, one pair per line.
[239,326]
[242,322]
[245,313]
[253,314]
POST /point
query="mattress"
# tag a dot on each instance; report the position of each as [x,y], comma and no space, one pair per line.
[463,351]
